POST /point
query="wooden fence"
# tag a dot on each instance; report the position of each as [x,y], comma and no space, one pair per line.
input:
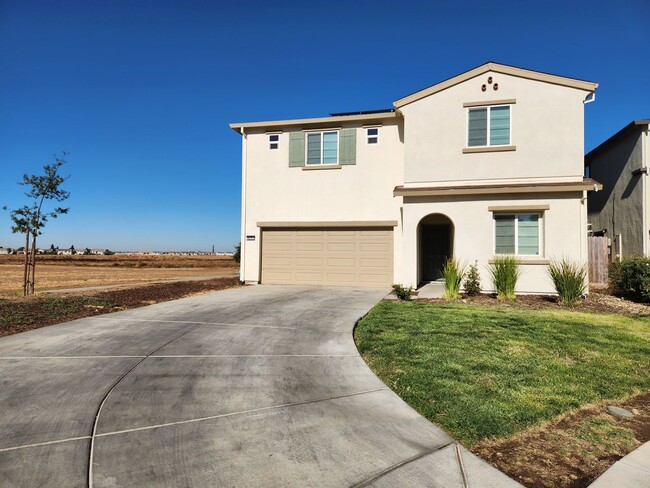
[598,259]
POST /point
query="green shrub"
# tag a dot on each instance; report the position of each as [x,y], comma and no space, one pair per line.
[472,283]
[403,292]
[452,273]
[631,278]
[569,281]
[505,272]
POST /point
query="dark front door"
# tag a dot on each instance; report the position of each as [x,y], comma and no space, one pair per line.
[434,250]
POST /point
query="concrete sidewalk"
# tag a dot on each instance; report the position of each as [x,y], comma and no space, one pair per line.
[632,471]
[256,386]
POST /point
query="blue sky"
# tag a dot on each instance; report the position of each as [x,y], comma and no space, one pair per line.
[140,93]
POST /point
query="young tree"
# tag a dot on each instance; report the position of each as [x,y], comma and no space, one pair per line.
[30,219]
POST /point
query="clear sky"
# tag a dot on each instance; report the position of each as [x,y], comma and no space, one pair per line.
[140,93]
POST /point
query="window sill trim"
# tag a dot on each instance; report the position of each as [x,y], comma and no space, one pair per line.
[523,261]
[471,150]
[321,166]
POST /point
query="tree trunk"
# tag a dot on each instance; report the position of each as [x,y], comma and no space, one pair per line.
[33,263]
[26,274]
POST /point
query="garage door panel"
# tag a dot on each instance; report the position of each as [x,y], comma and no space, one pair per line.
[340,262]
[328,256]
[341,246]
[380,263]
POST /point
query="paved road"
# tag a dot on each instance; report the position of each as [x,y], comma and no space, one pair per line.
[250,387]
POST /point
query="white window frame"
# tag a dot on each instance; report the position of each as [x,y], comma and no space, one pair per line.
[487,139]
[369,137]
[322,140]
[540,233]
[277,143]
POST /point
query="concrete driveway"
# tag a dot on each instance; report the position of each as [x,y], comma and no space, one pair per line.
[250,387]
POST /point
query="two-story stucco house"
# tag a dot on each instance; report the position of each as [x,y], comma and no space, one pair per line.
[488,162]
[623,208]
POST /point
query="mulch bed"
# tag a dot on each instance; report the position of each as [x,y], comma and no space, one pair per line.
[22,314]
[598,301]
[560,454]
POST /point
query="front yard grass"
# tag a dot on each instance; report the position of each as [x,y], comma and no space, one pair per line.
[489,372]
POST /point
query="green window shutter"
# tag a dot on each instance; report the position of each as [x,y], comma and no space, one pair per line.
[348,146]
[296,149]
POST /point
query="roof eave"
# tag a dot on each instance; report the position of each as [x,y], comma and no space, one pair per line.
[615,138]
[331,120]
[584,85]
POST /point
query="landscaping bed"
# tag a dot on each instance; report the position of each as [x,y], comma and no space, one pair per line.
[22,314]
[524,385]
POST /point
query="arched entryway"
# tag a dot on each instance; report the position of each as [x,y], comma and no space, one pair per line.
[435,246]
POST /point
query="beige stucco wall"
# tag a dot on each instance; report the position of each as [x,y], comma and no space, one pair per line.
[547,130]
[563,234]
[619,206]
[361,192]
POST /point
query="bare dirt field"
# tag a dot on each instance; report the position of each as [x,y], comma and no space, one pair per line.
[63,272]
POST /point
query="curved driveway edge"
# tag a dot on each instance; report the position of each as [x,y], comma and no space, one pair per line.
[256,386]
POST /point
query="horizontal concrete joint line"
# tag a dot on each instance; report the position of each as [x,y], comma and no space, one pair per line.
[243,412]
[196,323]
[47,443]
[71,357]
[171,356]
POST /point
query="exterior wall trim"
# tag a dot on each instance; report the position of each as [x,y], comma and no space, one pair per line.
[508,101]
[585,185]
[484,149]
[518,208]
[350,223]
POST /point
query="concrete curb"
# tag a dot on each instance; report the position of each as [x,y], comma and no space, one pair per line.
[632,471]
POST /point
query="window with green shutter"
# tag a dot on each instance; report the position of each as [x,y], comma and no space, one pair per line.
[328,147]
[517,234]
[488,126]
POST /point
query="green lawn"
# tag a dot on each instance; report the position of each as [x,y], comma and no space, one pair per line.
[490,371]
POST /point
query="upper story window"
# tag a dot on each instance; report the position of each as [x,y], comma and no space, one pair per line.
[322,147]
[517,234]
[372,134]
[488,126]
[274,141]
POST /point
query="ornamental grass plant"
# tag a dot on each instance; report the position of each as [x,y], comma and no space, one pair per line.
[505,272]
[453,273]
[569,281]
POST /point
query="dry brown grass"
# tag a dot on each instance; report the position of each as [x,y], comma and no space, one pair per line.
[62,272]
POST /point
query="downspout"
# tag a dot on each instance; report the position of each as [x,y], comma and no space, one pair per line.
[242,248]
[584,216]
[645,161]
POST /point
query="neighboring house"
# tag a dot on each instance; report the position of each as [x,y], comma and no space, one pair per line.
[5,250]
[486,163]
[623,208]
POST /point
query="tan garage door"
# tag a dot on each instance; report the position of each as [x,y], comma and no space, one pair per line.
[328,256]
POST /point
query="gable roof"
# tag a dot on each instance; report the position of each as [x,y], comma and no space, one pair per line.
[497,68]
[617,137]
